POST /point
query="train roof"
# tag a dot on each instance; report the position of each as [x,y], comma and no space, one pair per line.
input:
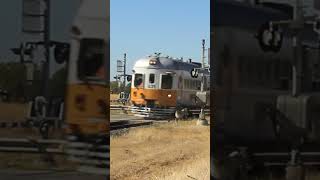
[166,63]
[92,19]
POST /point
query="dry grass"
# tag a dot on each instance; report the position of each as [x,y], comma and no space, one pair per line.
[17,112]
[114,97]
[12,111]
[166,151]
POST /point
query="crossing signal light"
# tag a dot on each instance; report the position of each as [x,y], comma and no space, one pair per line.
[270,37]
[19,51]
[194,73]
[129,77]
[61,52]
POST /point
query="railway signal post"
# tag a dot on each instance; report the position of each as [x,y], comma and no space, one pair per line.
[121,69]
[202,95]
[36,32]
[294,169]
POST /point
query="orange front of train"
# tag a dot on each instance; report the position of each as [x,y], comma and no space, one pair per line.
[152,85]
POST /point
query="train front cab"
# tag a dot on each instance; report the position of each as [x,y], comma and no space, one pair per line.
[86,90]
[154,90]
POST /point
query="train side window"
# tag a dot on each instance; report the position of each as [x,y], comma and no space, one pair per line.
[188,84]
[151,78]
[166,81]
[196,85]
[138,80]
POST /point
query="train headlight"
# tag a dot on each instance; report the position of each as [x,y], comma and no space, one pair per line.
[80,102]
[153,62]
[169,95]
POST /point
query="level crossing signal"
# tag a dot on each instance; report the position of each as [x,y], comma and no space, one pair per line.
[194,73]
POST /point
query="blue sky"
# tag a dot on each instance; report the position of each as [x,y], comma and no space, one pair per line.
[172,27]
[62,15]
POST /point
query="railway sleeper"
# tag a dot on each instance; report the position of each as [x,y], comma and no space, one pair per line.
[92,156]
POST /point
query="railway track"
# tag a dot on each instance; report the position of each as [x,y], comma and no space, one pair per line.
[92,158]
[276,155]
[155,113]
[124,124]
[309,155]
[31,145]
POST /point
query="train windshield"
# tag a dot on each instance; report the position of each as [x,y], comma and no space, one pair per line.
[92,58]
[138,80]
[166,81]
[151,78]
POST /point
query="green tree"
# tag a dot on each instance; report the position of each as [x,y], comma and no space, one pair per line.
[114,87]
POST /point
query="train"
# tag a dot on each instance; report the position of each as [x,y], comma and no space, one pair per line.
[255,101]
[162,85]
[86,112]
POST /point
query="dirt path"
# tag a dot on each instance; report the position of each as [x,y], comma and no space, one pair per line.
[170,151]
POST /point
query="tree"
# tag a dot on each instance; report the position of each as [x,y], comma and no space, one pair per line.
[13,79]
[57,83]
[114,87]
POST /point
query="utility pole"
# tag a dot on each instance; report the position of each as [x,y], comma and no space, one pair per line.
[203,78]
[203,95]
[46,39]
[209,56]
[203,52]
[124,69]
[297,24]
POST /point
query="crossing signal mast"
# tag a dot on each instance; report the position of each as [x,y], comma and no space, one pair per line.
[121,70]
[36,27]
[203,95]
[270,38]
